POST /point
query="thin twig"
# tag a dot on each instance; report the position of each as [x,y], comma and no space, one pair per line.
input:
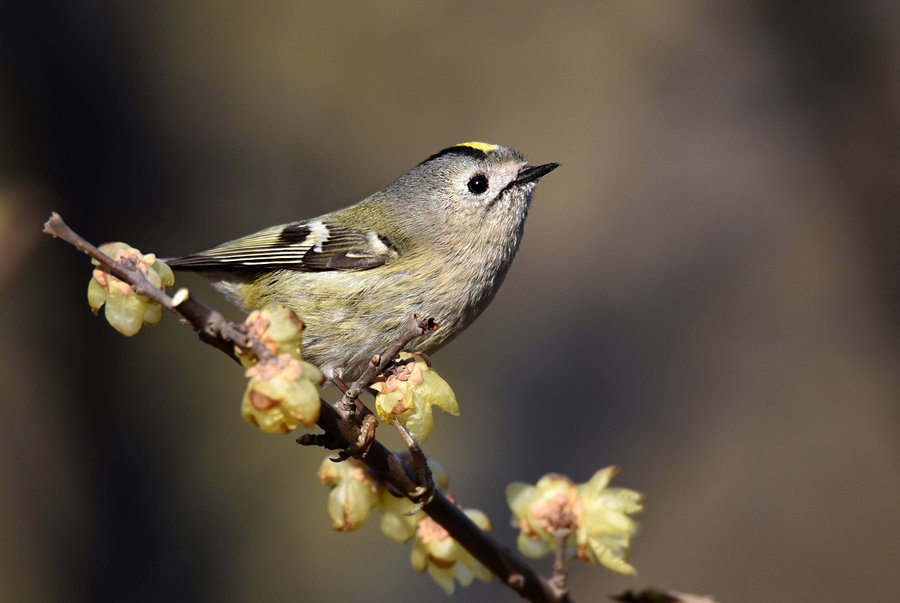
[418,462]
[560,578]
[222,334]
[55,227]
[415,327]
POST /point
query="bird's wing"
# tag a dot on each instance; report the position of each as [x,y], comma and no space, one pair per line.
[303,246]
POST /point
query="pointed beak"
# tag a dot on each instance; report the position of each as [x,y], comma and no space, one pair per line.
[532,173]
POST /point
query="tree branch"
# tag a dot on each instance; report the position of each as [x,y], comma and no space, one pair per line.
[215,330]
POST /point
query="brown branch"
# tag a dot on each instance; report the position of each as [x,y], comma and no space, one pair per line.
[654,595]
[215,329]
[343,431]
[55,227]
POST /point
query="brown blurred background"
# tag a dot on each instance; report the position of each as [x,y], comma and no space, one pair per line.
[707,294]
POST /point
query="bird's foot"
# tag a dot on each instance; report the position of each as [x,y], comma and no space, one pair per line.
[360,448]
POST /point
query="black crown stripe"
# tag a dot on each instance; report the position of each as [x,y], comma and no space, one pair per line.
[461,149]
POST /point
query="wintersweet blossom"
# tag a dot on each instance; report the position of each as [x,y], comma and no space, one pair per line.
[408,391]
[398,522]
[444,558]
[353,493]
[125,310]
[276,327]
[282,390]
[592,518]
[281,394]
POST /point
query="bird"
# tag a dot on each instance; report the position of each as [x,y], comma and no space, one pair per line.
[438,241]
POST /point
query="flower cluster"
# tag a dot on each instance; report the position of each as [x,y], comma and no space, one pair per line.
[125,310]
[591,518]
[408,390]
[444,558]
[355,493]
[399,515]
[277,328]
[282,391]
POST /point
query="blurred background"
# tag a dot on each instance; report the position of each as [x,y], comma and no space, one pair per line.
[707,294]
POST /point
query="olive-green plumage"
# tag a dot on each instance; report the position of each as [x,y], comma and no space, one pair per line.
[437,241]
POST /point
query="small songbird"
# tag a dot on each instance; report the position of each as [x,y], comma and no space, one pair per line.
[437,241]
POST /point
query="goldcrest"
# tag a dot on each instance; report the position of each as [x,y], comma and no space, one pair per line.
[437,241]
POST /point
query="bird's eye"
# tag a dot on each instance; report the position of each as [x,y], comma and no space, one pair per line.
[478,184]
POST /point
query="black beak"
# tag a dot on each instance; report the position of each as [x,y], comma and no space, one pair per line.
[531,173]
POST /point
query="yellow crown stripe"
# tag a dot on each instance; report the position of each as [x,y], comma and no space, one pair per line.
[485,147]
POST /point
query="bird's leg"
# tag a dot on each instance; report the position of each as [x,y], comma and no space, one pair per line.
[339,383]
[358,412]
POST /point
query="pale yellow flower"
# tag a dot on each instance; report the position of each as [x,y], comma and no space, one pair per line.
[408,392]
[445,559]
[125,310]
[591,517]
[396,522]
[281,394]
[276,327]
[353,493]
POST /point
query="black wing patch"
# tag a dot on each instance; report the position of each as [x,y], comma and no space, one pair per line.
[294,233]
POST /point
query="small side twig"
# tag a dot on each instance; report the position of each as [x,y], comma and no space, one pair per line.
[560,577]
